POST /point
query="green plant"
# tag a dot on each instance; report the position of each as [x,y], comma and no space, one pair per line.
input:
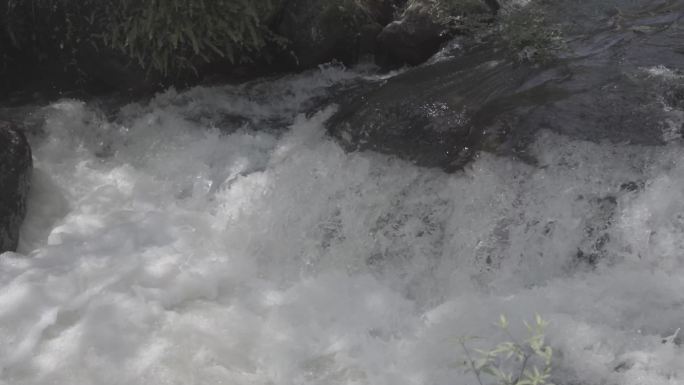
[512,362]
[166,36]
[171,36]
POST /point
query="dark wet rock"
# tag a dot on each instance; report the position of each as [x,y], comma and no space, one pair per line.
[674,97]
[597,236]
[605,88]
[422,29]
[632,186]
[383,11]
[493,5]
[617,109]
[15,176]
[322,31]
[602,89]
[411,40]
[425,115]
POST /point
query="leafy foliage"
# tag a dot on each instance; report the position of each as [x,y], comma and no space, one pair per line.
[166,36]
[512,362]
[173,35]
[522,26]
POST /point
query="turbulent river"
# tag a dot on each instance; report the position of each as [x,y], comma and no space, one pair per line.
[219,236]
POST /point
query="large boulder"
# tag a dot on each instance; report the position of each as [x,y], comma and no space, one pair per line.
[621,85]
[15,176]
[320,31]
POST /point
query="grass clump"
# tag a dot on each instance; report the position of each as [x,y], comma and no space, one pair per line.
[512,362]
[165,36]
[172,36]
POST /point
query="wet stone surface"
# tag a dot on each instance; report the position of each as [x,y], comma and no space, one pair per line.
[619,79]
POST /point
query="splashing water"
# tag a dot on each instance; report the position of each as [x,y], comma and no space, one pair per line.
[173,246]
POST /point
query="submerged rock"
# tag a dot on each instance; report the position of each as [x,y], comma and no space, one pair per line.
[15,176]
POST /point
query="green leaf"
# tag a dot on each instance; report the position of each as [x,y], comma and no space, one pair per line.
[503,322]
[193,39]
[215,49]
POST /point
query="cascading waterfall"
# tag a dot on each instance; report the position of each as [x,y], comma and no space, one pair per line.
[177,244]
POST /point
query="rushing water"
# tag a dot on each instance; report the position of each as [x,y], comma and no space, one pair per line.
[219,236]
[176,244]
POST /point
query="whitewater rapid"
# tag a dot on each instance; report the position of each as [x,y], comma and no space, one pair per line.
[218,236]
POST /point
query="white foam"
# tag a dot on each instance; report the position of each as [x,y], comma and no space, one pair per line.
[664,72]
[159,251]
